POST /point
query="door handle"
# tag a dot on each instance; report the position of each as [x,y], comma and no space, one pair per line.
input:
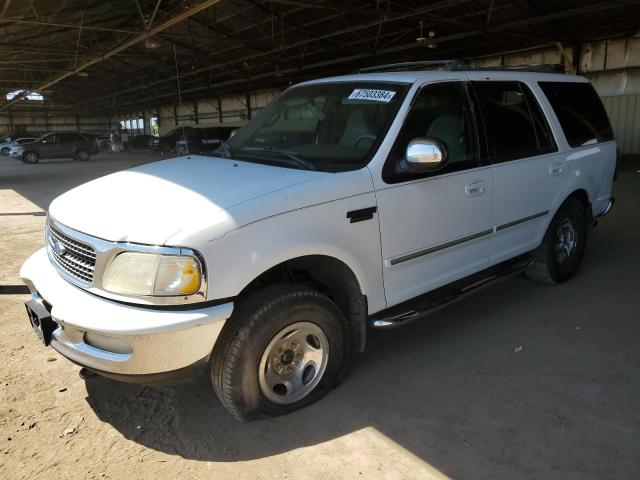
[476,188]
[556,169]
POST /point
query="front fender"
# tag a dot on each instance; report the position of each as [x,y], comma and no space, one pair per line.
[243,254]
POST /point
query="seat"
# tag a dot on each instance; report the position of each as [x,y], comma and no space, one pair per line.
[358,126]
[447,129]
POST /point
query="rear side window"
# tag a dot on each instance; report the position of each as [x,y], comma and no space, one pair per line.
[514,123]
[579,111]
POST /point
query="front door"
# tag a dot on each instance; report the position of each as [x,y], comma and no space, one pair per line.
[435,227]
[50,146]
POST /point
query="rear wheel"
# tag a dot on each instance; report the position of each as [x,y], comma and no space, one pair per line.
[31,157]
[559,256]
[284,348]
[82,155]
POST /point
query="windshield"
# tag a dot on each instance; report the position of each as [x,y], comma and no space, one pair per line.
[328,126]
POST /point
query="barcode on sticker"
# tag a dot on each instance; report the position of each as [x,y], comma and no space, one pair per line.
[373,95]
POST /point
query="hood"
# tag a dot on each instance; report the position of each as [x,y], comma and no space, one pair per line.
[179,198]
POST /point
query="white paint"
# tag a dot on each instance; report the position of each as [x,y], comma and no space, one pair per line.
[246,218]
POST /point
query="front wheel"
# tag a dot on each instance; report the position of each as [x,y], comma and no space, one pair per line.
[4,151]
[559,256]
[31,157]
[284,348]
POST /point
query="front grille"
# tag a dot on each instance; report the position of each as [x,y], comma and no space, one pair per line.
[72,256]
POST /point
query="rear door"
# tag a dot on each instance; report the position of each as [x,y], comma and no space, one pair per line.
[435,227]
[529,174]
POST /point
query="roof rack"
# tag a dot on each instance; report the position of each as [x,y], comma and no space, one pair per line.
[450,64]
[540,68]
[459,65]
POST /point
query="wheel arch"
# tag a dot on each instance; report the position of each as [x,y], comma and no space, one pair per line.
[582,196]
[329,275]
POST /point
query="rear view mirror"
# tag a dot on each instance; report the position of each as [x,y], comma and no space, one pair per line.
[425,155]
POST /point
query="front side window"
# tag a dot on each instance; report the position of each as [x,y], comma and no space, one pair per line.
[514,124]
[440,111]
[328,126]
[580,112]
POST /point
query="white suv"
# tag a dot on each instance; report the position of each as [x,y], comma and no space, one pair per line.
[350,202]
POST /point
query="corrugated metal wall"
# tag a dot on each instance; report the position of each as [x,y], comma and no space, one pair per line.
[624,113]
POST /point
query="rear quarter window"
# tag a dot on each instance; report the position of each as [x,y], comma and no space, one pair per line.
[580,112]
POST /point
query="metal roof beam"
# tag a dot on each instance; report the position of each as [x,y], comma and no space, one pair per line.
[138,38]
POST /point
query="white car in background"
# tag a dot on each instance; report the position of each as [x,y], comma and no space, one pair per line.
[6,149]
[349,202]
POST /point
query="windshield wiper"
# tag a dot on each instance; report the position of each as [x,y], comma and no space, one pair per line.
[287,153]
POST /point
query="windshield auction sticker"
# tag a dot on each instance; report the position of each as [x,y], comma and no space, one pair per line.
[373,95]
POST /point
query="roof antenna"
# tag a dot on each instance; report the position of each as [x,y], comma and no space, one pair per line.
[175,57]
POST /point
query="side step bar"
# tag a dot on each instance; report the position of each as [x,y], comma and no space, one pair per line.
[433,301]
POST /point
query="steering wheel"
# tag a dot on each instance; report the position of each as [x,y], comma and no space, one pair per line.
[366,136]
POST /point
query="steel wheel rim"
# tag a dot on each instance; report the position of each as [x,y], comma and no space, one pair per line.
[566,241]
[293,363]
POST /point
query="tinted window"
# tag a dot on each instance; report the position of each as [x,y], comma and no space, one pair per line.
[542,129]
[74,138]
[440,111]
[513,129]
[579,111]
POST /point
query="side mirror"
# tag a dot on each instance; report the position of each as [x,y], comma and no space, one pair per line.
[425,155]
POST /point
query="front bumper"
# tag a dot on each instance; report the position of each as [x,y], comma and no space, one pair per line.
[123,340]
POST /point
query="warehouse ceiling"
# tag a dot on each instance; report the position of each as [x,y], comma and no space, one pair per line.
[98,55]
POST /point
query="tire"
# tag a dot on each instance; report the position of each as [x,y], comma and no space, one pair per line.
[31,157]
[247,365]
[4,151]
[82,155]
[559,256]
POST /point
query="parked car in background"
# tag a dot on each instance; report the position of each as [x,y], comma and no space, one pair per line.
[103,142]
[6,141]
[5,149]
[56,145]
[364,201]
[141,142]
[209,139]
[194,139]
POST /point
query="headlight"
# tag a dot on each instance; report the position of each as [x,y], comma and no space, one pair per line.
[137,273]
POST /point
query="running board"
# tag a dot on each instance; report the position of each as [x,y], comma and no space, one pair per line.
[433,301]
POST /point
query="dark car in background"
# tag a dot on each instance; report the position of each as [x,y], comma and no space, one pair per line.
[57,145]
[194,140]
[141,142]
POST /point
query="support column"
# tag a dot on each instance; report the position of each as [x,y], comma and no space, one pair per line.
[248,100]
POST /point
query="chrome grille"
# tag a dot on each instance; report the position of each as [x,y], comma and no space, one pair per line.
[71,256]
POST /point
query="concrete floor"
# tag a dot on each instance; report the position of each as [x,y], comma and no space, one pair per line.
[521,380]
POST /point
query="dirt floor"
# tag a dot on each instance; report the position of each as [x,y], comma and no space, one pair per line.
[521,380]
